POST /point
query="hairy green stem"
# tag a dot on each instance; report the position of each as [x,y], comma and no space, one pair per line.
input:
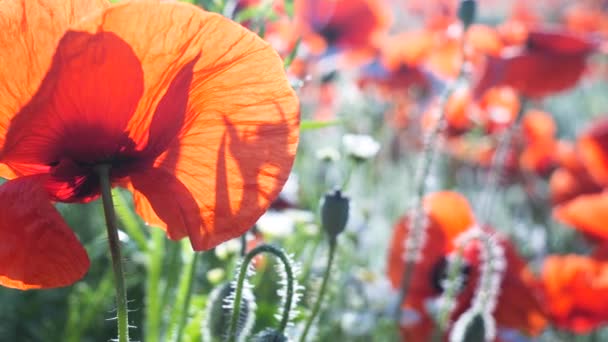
[112,228]
[232,332]
[317,306]
[153,281]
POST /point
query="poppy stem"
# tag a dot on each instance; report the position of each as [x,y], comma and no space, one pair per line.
[317,306]
[416,238]
[288,301]
[112,228]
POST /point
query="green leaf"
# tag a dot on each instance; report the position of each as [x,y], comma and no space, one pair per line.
[307,125]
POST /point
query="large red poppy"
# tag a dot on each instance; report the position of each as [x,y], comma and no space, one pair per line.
[449,215]
[191,111]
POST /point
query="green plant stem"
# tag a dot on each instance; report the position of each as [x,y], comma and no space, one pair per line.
[112,228]
[232,332]
[181,306]
[428,156]
[129,221]
[317,306]
[154,269]
[186,296]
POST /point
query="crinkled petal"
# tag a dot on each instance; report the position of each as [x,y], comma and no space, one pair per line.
[29,32]
[83,106]
[234,113]
[171,206]
[38,249]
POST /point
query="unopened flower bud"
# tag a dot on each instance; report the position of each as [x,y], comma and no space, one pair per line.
[219,313]
[270,335]
[473,326]
[334,213]
[467,11]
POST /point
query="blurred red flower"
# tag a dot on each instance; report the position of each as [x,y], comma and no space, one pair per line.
[449,215]
[575,291]
[530,67]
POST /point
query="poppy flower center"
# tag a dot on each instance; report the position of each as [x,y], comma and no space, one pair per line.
[440,273]
[73,175]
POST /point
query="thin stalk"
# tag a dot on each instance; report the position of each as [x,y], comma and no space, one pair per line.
[429,154]
[153,282]
[187,297]
[129,221]
[495,173]
[179,314]
[119,275]
[317,306]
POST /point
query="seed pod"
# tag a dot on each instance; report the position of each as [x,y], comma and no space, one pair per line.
[467,12]
[334,213]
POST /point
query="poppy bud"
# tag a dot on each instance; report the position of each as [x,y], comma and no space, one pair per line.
[270,335]
[334,213]
[466,12]
[473,326]
[219,313]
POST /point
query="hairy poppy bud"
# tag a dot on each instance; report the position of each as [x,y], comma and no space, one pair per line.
[334,213]
[270,335]
[467,11]
[473,326]
[219,313]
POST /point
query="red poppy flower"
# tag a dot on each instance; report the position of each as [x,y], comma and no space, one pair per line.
[572,178]
[449,215]
[587,213]
[530,68]
[539,144]
[593,147]
[576,292]
[587,18]
[191,111]
[345,24]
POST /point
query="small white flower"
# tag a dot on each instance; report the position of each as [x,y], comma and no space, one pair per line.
[276,224]
[328,154]
[360,146]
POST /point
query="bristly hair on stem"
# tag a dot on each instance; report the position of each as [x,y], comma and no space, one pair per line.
[103,171]
[289,293]
[415,240]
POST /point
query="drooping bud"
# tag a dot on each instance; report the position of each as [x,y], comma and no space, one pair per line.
[270,335]
[219,312]
[466,12]
[473,326]
[334,213]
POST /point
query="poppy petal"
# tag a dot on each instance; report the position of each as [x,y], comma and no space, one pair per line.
[38,248]
[593,148]
[450,211]
[172,205]
[6,172]
[24,24]
[230,130]
[588,213]
[68,116]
